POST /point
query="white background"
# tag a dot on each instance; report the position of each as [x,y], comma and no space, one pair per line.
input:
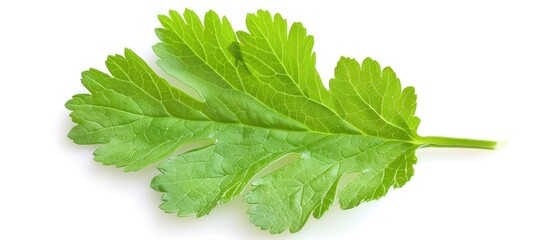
[480,68]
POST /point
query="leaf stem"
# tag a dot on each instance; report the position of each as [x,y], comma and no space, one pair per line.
[448,142]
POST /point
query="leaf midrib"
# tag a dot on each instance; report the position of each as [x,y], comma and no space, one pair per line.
[251,126]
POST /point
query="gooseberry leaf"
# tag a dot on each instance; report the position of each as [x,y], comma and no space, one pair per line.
[256,98]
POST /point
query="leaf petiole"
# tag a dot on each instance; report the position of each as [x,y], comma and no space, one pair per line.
[448,142]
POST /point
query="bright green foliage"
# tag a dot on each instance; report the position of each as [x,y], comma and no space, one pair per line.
[260,100]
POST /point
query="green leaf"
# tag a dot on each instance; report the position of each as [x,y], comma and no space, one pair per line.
[259,99]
